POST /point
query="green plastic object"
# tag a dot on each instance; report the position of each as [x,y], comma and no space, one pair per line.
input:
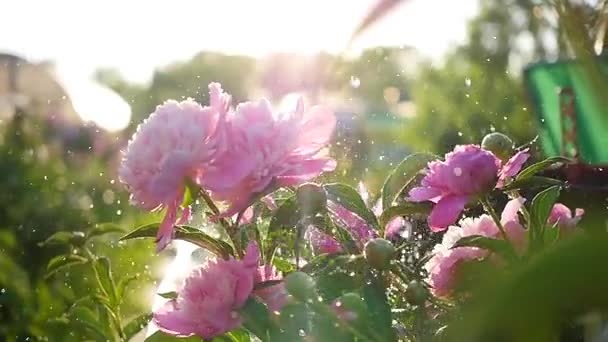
[572,122]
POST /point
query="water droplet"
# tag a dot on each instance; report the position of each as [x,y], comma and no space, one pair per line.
[118,212]
[467,82]
[302,333]
[459,134]
[355,82]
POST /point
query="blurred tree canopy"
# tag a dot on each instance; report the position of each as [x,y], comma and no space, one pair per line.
[479,88]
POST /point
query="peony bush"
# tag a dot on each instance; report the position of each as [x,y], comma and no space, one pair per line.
[300,261]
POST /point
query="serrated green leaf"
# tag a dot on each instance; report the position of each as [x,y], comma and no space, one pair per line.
[186,233]
[500,247]
[402,175]
[351,200]
[103,229]
[168,295]
[541,165]
[136,325]
[404,210]
[62,262]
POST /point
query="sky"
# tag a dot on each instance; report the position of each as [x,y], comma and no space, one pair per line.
[136,36]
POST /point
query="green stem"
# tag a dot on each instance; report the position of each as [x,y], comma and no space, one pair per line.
[231,229]
[490,210]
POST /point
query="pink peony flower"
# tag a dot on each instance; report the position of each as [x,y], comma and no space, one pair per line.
[466,172]
[175,143]
[208,303]
[512,167]
[443,267]
[562,217]
[321,243]
[270,150]
[274,296]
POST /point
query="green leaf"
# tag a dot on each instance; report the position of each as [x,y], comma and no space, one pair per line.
[265,284]
[136,325]
[349,198]
[121,287]
[256,318]
[62,262]
[294,317]
[104,272]
[103,229]
[405,210]
[500,247]
[239,335]
[283,265]
[159,336]
[532,182]
[286,216]
[64,238]
[379,309]
[89,320]
[403,175]
[168,295]
[190,193]
[540,209]
[186,233]
[537,167]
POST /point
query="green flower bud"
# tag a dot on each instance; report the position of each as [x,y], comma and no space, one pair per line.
[499,144]
[416,293]
[300,285]
[379,253]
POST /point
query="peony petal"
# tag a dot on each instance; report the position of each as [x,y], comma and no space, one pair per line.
[173,322]
[421,194]
[305,171]
[316,129]
[447,211]
[509,213]
[252,255]
[512,167]
[165,231]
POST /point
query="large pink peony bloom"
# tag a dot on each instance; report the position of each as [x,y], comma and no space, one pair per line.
[466,172]
[443,267]
[209,301]
[269,150]
[177,142]
[563,218]
[274,296]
